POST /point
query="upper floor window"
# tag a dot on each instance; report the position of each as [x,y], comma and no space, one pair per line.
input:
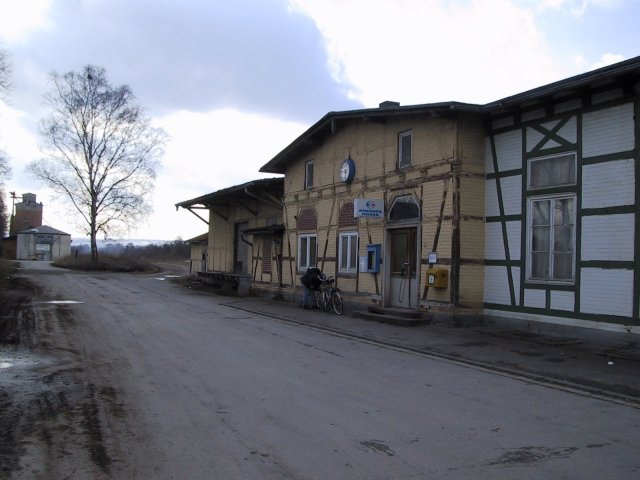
[555,171]
[405,146]
[308,175]
[404,207]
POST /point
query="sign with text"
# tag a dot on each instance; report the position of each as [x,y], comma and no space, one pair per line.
[368,208]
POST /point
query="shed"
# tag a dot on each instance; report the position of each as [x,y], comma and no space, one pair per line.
[42,243]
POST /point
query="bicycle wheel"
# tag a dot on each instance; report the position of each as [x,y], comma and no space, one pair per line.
[321,300]
[326,300]
[336,301]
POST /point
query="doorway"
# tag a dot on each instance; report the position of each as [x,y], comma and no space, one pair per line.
[403,278]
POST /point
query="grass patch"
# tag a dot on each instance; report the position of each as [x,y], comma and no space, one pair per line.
[106,263]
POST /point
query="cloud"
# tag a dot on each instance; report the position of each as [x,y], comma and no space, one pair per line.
[210,151]
[235,82]
[21,18]
[259,56]
[420,51]
[213,150]
[607,59]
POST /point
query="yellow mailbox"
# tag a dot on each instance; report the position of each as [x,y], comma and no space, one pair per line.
[438,277]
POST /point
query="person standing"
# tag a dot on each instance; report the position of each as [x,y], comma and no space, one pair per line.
[310,283]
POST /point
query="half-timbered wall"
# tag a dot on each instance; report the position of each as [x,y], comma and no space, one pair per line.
[446,178]
[222,221]
[601,129]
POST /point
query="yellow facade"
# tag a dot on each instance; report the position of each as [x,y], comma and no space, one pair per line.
[445,178]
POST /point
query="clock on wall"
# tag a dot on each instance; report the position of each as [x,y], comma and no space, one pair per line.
[347,170]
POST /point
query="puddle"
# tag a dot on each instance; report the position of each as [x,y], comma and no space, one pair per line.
[164,277]
[62,302]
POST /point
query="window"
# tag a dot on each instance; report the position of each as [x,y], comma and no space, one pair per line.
[552,220]
[308,175]
[404,208]
[348,248]
[551,238]
[405,141]
[552,171]
[307,251]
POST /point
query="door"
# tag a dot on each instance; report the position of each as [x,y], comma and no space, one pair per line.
[241,249]
[403,279]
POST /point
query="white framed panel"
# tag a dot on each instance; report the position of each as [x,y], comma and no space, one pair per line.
[496,285]
[608,184]
[509,150]
[569,131]
[606,291]
[608,237]
[514,236]
[533,138]
[512,194]
[535,298]
[609,130]
[494,244]
[561,300]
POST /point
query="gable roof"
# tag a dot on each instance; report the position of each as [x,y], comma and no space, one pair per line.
[267,190]
[627,72]
[43,229]
[328,125]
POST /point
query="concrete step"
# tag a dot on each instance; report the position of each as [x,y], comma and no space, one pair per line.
[393,316]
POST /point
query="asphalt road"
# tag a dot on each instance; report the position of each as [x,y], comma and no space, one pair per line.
[164,382]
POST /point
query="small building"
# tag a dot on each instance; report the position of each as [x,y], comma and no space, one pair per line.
[42,243]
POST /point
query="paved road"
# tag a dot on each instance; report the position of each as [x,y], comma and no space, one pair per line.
[184,387]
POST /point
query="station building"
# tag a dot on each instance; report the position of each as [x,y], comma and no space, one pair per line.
[526,208]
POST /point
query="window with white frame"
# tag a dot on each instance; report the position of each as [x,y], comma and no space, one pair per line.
[552,219]
[348,248]
[554,171]
[307,251]
[308,175]
[405,141]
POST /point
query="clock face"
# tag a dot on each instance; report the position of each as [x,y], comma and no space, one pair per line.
[347,170]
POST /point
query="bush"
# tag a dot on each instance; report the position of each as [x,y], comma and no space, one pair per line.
[106,263]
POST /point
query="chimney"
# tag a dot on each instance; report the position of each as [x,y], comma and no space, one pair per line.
[389,104]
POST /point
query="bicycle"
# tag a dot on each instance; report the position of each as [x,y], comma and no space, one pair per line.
[329,296]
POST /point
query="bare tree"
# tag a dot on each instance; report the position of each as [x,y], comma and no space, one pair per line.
[102,151]
[3,218]
[5,172]
[5,84]
[5,169]
[5,71]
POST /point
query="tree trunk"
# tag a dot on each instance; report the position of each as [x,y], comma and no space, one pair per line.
[94,234]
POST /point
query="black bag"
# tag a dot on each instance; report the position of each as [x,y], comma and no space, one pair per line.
[311,279]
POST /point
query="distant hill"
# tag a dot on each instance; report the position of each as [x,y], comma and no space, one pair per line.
[117,243]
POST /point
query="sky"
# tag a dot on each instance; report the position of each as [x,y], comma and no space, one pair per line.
[234,83]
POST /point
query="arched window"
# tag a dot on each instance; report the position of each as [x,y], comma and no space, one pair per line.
[404,208]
